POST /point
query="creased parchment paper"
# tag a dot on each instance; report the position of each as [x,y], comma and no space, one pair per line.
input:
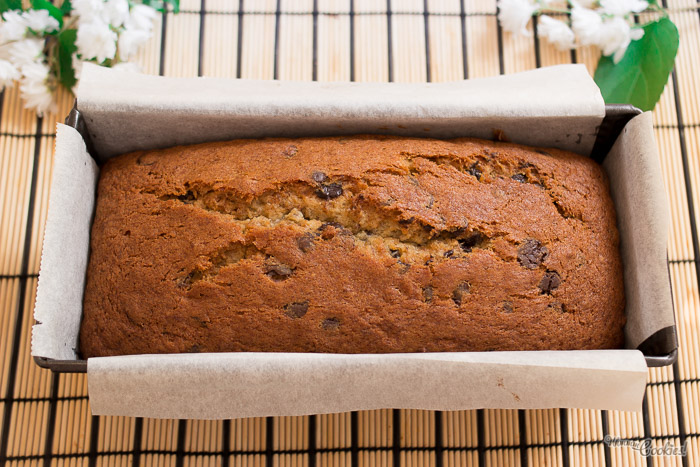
[258,384]
[64,256]
[563,100]
[634,168]
[125,112]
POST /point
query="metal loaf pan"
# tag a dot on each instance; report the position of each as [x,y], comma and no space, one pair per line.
[661,349]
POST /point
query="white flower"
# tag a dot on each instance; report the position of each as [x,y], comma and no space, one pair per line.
[515,14]
[141,17]
[131,67]
[130,39]
[586,25]
[13,27]
[40,20]
[88,10]
[26,51]
[116,12]
[96,40]
[615,37]
[557,32]
[34,89]
[8,73]
[623,7]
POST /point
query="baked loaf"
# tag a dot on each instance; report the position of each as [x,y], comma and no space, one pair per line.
[363,244]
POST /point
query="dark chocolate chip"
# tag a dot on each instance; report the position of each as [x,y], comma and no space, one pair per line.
[470,242]
[186,282]
[296,309]
[127,233]
[330,324]
[519,178]
[460,291]
[278,272]
[544,153]
[187,198]
[319,177]
[532,253]
[475,170]
[330,191]
[306,242]
[550,281]
[507,307]
[449,253]
[558,307]
[428,294]
[290,151]
[394,253]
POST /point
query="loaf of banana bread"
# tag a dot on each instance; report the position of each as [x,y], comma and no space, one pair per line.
[363,244]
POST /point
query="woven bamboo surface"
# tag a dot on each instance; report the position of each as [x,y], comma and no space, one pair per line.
[45,418]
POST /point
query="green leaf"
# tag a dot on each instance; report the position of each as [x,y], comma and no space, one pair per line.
[639,78]
[66,7]
[65,50]
[6,5]
[52,9]
[161,5]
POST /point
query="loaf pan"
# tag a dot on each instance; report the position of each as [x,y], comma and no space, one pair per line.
[660,349]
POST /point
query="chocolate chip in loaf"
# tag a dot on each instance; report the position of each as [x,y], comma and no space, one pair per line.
[460,292]
[470,241]
[306,242]
[330,324]
[394,253]
[290,151]
[560,307]
[544,153]
[449,253]
[277,271]
[532,253]
[330,191]
[319,177]
[428,294]
[519,178]
[507,307]
[187,281]
[296,309]
[550,281]
[475,170]
[187,198]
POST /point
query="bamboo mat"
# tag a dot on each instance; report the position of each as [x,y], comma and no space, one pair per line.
[45,417]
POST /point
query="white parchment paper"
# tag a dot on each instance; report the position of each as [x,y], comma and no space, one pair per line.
[59,297]
[634,168]
[126,112]
[216,386]
[563,100]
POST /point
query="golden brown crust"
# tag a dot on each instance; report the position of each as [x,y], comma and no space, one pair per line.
[362,244]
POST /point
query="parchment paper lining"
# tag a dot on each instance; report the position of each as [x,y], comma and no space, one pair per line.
[151,110]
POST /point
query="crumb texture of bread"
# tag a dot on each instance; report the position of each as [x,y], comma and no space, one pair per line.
[362,244]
